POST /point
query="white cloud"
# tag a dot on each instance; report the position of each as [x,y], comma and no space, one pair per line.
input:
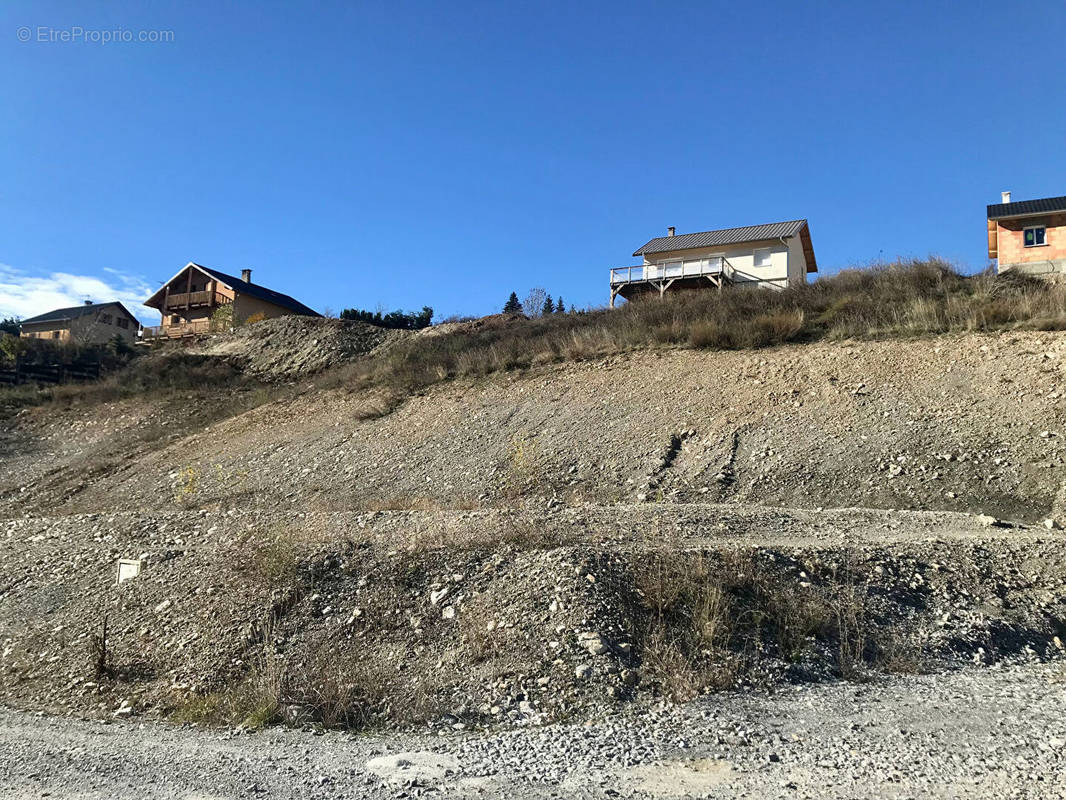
[23,294]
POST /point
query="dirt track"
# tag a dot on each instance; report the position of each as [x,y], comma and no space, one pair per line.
[974,733]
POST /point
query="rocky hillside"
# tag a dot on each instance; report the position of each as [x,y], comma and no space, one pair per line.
[963,423]
[538,544]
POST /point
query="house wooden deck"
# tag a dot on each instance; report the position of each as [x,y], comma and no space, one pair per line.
[628,282]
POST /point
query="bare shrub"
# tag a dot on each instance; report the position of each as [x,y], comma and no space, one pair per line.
[99,658]
[849,613]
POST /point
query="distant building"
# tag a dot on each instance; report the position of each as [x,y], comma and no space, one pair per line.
[773,256]
[91,323]
[188,301]
[1028,236]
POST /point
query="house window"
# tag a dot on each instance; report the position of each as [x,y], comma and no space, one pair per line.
[1036,236]
[122,322]
[105,319]
[57,334]
[174,319]
[763,257]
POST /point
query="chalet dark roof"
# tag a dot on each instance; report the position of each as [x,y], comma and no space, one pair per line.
[262,292]
[1045,205]
[65,314]
[752,233]
[241,286]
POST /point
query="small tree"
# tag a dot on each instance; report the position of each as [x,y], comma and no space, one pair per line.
[560,305]
[512,306]
[12,348]
[222,318]
[534,302]
[10,325]
[549,306]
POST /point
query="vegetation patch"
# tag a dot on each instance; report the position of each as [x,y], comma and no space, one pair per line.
[912,298]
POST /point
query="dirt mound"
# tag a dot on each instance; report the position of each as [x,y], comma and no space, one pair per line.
[291,346]
[482,617]
[467,326]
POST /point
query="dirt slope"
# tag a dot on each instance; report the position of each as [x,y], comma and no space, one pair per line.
[480,616]
[517,548]
[969,423]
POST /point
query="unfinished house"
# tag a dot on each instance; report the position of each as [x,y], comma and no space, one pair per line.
[772,256]
[1028,236]
[90,323]
[199,298]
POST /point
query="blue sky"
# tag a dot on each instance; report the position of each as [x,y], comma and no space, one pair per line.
[401,154]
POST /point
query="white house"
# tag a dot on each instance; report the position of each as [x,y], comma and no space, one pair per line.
[774,256]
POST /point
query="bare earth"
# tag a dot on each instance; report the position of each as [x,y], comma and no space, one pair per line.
[482,558]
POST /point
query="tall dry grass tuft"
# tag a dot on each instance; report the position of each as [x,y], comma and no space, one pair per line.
[717,619]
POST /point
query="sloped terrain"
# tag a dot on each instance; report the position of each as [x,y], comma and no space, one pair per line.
[489,616]
[965,423]
[538,545]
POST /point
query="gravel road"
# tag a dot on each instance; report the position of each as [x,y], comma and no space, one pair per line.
[974,732]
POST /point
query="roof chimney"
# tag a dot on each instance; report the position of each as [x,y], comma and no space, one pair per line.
[88,302]
[246,275]
[1006,196]
[670,230]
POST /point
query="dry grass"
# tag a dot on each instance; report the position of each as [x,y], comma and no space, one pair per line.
[154,375]
[717,619]
[904,299]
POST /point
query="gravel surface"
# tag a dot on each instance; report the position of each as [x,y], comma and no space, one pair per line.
[978,732]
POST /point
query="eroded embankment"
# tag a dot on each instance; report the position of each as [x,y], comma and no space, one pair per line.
[967,423]
[488,616]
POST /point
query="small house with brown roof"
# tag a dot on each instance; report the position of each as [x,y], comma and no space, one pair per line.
[196,295]
[90,323]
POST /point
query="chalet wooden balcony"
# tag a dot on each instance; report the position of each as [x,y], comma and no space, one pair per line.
[177,330]
[196,300]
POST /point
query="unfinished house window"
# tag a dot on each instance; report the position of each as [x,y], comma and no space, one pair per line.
[105,319]
[122,323]
[763,257]
[1035,237]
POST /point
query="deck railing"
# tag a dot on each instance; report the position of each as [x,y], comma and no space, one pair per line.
[177,330]
[205,298]
[692,268]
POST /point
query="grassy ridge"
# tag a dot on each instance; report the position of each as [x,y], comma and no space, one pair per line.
[904,299]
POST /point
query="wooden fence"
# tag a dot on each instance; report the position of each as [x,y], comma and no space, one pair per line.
[50,373]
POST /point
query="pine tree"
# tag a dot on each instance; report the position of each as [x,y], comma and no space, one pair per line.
[560,306]
[512,306]
[549,307]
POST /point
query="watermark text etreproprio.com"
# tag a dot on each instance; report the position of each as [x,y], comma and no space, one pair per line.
[75,34]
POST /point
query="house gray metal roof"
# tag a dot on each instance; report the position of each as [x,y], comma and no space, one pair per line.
[64,314]
[1045,205]
[751,233]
